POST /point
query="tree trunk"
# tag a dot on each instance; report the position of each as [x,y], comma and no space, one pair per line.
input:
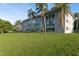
[61,20]
[44,24]
[32,24]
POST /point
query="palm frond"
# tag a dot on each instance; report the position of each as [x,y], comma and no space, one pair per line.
[41,7]
[31,13]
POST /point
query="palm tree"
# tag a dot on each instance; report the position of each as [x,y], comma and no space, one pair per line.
[31,15]
[63,7]
[42,7]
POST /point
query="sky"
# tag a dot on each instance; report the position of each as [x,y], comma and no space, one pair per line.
[18,11]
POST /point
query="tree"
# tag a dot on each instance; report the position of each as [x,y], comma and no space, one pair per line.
[76,14]
[42,8]
[18,22]
[31,15]
[5,26]
[17,25]
[63,7]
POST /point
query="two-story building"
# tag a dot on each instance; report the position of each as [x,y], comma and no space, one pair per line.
[52,22]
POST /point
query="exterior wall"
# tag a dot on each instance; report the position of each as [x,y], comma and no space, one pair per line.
[35,24]
[69,23]
[27,26]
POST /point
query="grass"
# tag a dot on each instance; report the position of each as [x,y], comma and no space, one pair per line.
[39,44]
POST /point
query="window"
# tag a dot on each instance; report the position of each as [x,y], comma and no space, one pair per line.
[37,24]
[67,21]
[29,25]
[33,21]
[37,19]
[50,23]
[53,16]
[66,28]
[49,16]
[53,29]
[23,26]
[47,23]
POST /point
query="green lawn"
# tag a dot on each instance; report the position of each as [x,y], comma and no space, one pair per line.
[39,44]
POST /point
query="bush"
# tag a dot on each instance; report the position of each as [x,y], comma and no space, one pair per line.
[5,31]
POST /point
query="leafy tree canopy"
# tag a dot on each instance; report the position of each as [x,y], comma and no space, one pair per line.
[76,14]
[5,25]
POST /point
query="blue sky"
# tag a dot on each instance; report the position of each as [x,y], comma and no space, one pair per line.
[16,11]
